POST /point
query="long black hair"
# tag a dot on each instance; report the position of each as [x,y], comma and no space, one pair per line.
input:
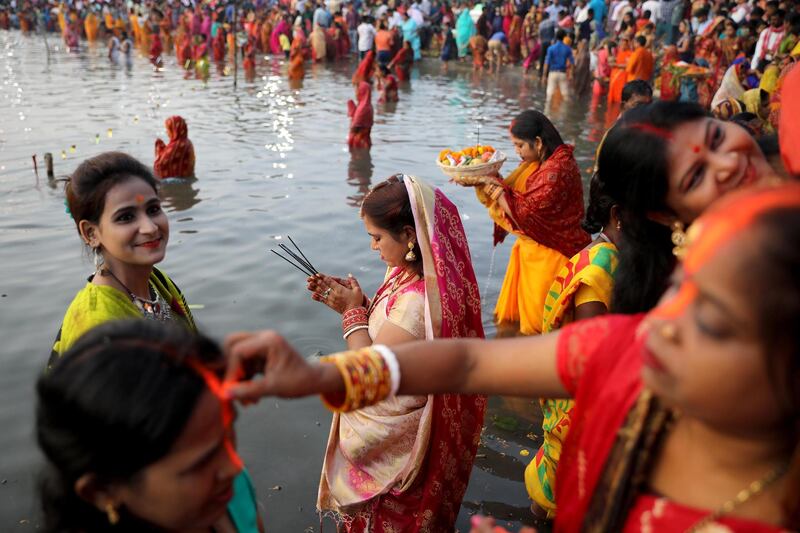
[633,170]
[531,124]
[113,404]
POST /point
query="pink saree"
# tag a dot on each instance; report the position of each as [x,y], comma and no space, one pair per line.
[404,464]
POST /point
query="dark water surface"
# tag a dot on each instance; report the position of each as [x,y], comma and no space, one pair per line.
[271,161]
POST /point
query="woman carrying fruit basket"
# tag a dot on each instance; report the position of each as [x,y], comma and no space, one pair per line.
[541,202]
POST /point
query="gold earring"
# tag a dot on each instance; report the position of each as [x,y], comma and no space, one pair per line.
[411,256]
[678,239]
[112,514]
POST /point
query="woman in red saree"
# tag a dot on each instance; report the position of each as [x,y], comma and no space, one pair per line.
[184,51]
[661,438]
[670,90]
[619,77]
[156,49]
[515,39]
[402,62]
[176,159]
[218,46]
[361,117]
[387,85]
[365,69]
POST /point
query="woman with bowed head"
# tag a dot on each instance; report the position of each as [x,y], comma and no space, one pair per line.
[541,203]
[663,164]
[661,437]
[113,200]
[404,464]
[138,437]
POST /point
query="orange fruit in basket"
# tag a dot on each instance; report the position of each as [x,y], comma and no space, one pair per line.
[443,154]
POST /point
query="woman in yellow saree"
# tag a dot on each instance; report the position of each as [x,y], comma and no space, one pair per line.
[541,203]
[114,202]
[582,289]
[91,25]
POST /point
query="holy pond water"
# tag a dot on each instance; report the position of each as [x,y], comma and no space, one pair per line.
[271,161]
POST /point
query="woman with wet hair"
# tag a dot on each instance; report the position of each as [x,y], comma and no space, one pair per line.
[138,437]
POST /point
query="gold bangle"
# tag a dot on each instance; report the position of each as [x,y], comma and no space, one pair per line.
[367,380]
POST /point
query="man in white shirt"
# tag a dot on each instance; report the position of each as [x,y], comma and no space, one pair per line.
[366,36]
[395,20]
[769,41]
[654,7]
[416,15]
[581,12]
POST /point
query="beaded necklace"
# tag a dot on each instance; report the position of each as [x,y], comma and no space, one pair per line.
[155,309]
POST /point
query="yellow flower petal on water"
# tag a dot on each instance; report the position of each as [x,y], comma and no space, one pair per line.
[524,453]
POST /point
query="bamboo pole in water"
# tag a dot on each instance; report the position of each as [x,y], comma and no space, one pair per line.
[235,45]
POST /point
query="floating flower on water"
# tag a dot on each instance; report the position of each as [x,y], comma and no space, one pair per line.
[524,453]
[110,133]
[63,154]
[97,138]
[136,119]
[72,149]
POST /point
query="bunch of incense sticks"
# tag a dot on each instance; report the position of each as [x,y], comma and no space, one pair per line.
[300,262]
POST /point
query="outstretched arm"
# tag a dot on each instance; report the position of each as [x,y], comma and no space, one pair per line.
[524,366]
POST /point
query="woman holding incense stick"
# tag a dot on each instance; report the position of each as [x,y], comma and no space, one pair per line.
[381,467]
[113,200]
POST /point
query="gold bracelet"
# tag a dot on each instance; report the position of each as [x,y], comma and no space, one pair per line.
[367,380]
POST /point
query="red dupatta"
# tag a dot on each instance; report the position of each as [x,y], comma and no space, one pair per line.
[551,208]
[176,159]
[599,363]
[365,69]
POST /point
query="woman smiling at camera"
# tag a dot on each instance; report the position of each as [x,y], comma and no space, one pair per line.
[114,202]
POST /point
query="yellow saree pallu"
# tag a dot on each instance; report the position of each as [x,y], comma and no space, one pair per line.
[592,273]
[531,266]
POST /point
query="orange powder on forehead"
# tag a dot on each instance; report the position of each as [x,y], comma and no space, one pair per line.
[716,229]
[216,387]
[139,198]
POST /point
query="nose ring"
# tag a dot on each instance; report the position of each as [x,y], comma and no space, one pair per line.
[669,331]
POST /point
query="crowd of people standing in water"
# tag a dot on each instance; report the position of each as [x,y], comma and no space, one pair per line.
[657,319]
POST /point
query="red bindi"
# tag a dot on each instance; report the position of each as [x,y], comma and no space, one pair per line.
[696,149]
[139,198]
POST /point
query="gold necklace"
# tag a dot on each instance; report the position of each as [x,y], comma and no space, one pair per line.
[753,489]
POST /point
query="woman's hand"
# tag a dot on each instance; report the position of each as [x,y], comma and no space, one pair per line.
[264,364]
[337,293]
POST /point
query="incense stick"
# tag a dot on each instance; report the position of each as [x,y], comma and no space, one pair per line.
[301,253]
[292,263]
[298,258]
